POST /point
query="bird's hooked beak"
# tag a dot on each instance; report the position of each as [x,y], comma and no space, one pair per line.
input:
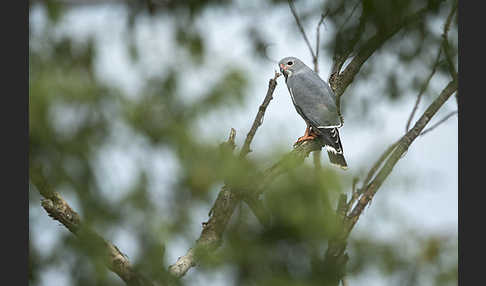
[283,70]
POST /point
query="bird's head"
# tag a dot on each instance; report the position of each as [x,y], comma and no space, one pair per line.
[290,65]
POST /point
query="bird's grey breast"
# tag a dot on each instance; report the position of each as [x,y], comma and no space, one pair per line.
[313,99]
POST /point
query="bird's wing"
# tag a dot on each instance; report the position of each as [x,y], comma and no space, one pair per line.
[314,100]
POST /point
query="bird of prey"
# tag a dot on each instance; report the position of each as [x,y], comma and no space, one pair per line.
[315,101]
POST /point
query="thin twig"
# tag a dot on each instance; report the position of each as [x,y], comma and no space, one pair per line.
[438,123]
[354,195]
[349,16]
[376,165]
[445,42]
[316,58]
[301,28]
[422,90]
[259,117]
[452,70]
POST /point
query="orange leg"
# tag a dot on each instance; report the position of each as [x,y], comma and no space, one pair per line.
[308,135]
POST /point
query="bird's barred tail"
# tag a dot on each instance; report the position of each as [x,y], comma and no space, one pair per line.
[337,159]
[332,142]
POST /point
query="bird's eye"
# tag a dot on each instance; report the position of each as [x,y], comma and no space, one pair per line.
[289,63]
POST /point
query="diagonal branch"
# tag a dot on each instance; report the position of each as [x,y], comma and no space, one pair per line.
[445,42]
[226,202]
[452,69]
[369,176]
[301,28]
[422,90]
[259,117]
[402,146]
[335,257]
[438,123]
[116,261]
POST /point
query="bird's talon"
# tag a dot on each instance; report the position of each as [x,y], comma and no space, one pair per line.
[305,138]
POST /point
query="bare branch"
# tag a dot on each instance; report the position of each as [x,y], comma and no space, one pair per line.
[301,28]
[445,42]
[438,123]
[399,150]
[422,90]
[116,261]
[316,58]
[231,139]
[452,69]
[220,213]
[259,117]
[354,195]
[377,164]
[211,235]
[349,16]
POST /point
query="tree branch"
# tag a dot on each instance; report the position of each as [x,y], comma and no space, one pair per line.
[438,123]
[422,90]
[259,117]
[116,261]
[339,59]
[316,58]
[227,200]
[288,162]
[452,69]
[402,146]
[225,203]
[445,42]
[301,28]
[335,258]
[374,43]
